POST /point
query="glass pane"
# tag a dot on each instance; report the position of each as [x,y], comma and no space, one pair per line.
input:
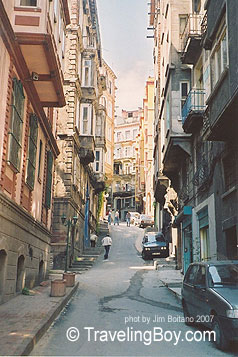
[28,2]
[224,52]
[14,152]
[30,174]
[16,124]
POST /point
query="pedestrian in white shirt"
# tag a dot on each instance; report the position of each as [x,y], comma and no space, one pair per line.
[106,242]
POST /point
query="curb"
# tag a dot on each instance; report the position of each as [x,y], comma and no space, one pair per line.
[28,345]
[178,296]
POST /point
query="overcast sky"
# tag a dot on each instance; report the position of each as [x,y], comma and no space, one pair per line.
[123,25]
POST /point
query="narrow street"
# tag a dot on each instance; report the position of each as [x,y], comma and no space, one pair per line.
[123,294]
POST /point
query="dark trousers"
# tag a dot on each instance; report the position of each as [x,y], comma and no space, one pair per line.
[107,248]
[93,243]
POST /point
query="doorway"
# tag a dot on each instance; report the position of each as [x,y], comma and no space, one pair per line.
[3,261]
[20,273]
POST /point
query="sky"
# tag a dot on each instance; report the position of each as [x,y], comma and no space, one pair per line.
[125,48]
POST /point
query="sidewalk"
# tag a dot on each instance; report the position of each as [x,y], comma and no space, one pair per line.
[172,279]
[24,319]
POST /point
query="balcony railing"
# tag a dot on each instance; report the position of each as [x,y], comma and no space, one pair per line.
[195,102]
[192,29]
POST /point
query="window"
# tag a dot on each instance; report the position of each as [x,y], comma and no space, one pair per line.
[130,115]
[127,151]
[28,3]
[87,78]
[229,167]
[184,90]
[32,147]
[182,24]
[219,56]
[86,118]
[15,134]
[110,87]
[119,136]
[97,160]
[118,153]
[99,125]
[48,179]
[55,10]
[109,109]
[166,11]
[128,134]
[167,113]
[39,159]
[134,133]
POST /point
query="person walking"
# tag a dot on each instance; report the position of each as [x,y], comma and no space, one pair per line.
[93,240]
[116,220]
[128,219]
[106,243]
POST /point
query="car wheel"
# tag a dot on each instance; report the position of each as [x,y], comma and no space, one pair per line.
[189,320]
[220,339]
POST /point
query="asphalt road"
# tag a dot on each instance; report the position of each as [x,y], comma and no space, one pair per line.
[122,309]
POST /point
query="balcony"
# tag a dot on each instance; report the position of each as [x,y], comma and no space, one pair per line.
[191,39]
[86,146]
[39,54]
[193,110]
[161,185]
[177,149]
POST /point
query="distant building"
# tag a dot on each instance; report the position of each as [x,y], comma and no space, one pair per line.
[125,133]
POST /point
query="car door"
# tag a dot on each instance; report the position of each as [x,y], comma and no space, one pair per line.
[201,306]
[189,293]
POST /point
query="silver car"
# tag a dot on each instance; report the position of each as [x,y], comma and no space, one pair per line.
[210,297]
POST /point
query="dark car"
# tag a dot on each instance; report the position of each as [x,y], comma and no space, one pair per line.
[154,246]
[210,297]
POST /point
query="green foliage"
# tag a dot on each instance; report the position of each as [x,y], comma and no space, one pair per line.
[25,291]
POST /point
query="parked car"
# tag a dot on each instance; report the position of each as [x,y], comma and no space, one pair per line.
[210,297]
[146,221]
[154,246]
[135,218]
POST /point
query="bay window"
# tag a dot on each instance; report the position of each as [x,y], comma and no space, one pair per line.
[219,56]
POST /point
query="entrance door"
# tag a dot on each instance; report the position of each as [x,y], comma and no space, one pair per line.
[187,246]
[205,244]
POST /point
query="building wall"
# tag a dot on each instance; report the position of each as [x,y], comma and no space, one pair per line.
[28,149]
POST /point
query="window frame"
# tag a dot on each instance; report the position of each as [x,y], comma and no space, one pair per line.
[216,73]
[32,151]
[16,126]
[89,108]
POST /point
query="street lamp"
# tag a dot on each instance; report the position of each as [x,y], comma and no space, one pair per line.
[71,222]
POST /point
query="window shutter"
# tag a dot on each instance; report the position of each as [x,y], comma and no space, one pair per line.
[15,134]
[49,179]
[32,147]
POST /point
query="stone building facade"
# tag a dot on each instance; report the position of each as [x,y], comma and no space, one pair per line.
[126,130]
[81,135]
[31,86]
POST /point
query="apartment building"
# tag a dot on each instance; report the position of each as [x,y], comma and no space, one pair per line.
[104,155]
[123,189]
[200,159]
[81,125]
[31,62]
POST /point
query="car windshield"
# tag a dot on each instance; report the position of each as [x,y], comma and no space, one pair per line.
[153,237]
[220,275]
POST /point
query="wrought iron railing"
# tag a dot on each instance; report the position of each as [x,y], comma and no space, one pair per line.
[195,102]
[192,29]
